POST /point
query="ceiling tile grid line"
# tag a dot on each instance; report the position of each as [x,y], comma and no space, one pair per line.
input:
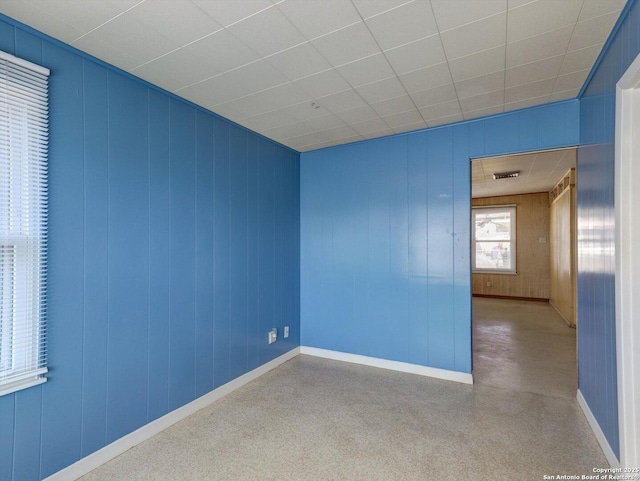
[316,73]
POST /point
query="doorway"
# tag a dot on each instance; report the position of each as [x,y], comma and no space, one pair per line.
[522,341]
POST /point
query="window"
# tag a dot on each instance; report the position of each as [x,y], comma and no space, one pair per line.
[23,222]
[494,239]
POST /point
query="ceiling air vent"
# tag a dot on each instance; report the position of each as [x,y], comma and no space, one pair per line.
[506,175]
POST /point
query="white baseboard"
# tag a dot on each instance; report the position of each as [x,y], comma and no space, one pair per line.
[392,365]
[94,460]
[591,419]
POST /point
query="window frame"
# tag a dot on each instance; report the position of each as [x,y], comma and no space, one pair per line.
[512,209]
[23,223]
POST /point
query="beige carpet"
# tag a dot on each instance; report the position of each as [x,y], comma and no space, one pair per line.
[315,419]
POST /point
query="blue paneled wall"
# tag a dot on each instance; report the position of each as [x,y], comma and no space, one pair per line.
[596,226]
[385,241]
[174,247]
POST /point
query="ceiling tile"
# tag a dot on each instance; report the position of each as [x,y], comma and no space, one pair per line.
[346,45]
[214,91]
[445,120]
[228,52]
[595,8]
[179,20]
[36,18]
[359,114]
[593,31]
[314,18]
[379,133]
[269,120]
[349,99]
[393,106]
[534,71]
[128,34]
[256,76]
[481,63]
[568,94]
[474,114]
[539,47]
[246,107]
[299,61]
[267,32]
[323,84]
[484,101]
[285,95]
[519,3]
[480,85]
[475,37]
[180,66]
[402,25]
[370,126]
[417,55]
[383,90]
[287,131]
[324,123]
[452,14]
[426,78]
[365,71]
[312,138]
[105,52]
[529,102]
[409,127]
[228,12]
[164,74]
[580,59]
[434,96]
[410,117]
[445,109]
[341,133]
[369,8]
[530,90]
[306,110]
[542,16]
[84,16]
[571,81]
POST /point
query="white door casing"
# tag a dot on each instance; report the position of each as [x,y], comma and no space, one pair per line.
[627,212]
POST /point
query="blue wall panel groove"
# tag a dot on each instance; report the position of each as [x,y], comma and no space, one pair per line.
[159,255]
[385,235]
[160,287]
[96,234]
[204,253]
[596,225]
[182,383]
[128,257]
[62,398]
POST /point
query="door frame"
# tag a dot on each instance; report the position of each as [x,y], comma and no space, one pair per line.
[627,196]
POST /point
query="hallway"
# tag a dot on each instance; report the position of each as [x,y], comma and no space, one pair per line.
[523,346]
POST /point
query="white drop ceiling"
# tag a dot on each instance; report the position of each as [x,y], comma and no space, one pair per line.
[539,172]
[317,73]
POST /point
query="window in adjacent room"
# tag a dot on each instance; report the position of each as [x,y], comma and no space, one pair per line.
[494,239]
[23,222]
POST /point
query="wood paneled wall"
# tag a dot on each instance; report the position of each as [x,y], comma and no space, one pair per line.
[532,256]
[562,248]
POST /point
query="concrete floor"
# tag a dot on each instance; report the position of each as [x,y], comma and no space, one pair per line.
[316,419]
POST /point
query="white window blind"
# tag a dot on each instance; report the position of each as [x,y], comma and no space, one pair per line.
[23,222]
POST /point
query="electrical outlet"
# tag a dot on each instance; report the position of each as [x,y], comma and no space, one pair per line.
[542,240]
[285,334]
[273,335]
[488,283]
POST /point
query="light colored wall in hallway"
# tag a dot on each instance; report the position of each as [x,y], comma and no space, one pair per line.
[532,256]
[562,247]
